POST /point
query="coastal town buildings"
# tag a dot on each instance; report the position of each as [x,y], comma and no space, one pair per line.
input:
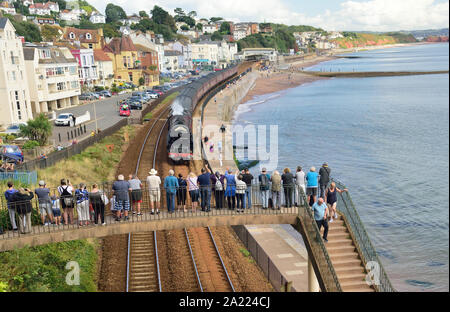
[125,59]
[97,18]
[52,77]
[85,38]
[7,7]
[87,68]
[173,61]
[148,62]
[69,16]
[15,105]
[209,28]
[205,52]
[105,68]
[152,41]
[43,8]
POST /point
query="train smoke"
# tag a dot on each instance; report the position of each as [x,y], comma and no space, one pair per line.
[177,109]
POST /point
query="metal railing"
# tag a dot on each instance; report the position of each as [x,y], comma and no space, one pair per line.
[28,178]
[316,244]
[361,239]
[54,157]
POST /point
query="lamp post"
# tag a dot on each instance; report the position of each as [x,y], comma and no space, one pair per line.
[95,117]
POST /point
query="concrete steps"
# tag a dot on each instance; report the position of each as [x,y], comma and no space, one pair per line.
[345,258]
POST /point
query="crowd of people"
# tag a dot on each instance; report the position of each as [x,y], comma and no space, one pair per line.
[232,190]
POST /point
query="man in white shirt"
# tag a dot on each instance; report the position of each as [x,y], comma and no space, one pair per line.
[299,183]
[154,192]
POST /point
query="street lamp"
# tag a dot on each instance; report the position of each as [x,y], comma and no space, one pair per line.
[95,117]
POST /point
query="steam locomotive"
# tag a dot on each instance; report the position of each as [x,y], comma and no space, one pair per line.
[179,137]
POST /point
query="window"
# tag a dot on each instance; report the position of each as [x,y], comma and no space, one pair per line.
[90,46]
[61,86]
[73,70]
[88,36]
[130,75]
[124,61]
[14,75]
[21,75]
[72,35]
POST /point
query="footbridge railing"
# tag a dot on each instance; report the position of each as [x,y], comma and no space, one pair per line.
[322,264]
[365,248]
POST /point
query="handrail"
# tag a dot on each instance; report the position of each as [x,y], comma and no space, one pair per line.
[367,252]
[318,249]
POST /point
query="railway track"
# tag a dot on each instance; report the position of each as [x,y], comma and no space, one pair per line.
[210,270]
[142,263]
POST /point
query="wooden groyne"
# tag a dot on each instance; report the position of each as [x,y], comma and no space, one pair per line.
[371,74]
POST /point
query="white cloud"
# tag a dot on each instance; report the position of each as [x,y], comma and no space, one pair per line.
[375,15]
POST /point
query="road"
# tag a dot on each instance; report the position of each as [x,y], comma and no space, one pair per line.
[107,115]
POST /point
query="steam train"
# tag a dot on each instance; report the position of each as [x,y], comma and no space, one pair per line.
[179,137]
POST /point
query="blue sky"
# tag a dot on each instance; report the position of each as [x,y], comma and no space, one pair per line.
[371,15]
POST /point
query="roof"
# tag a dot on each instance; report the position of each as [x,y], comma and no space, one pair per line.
[80,34]
[55,58]
[100,55]
[141,47]
[3,21]
[171,53]
[118,45]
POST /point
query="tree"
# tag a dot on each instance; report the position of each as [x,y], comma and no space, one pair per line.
[27,29]
[179,11]
[141,81]
[143,14]
[216,36]
[192,14]
[199,26]
[38,129]
[161,18]
[114,13]
[109,31]
[50,33]
[215,19]
[225,28]
[184,27]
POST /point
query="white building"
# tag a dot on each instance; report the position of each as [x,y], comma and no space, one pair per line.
[204,52]
[69,16]
[209,28]
[125,30]
[7,7]
[43,8]
[87,69]
[15,105]
[105,68]
[97,18]
[52,77]
[27,3]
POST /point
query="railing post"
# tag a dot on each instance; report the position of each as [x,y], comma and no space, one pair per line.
[313,283]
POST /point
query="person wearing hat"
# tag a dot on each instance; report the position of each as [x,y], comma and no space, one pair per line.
[264,187]
[324,173]
[45,202]
[154,192]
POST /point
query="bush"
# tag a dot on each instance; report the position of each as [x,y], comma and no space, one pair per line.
[43,268]
[38,129]
[30,145]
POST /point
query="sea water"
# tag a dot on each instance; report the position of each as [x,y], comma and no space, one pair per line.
[387,139]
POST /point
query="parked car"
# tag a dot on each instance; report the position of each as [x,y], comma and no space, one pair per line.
[64,119]
[134,104]
[14,128]
[159,91]
[105,93]
[138,98]
[124,110]
[152,94]
[86,97]
[12,151]
[96,96]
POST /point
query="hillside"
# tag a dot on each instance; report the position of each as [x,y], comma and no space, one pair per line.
[352,40]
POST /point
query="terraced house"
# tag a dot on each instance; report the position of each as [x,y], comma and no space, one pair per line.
[15,98]
[85,38]
[52,77]
[125,59]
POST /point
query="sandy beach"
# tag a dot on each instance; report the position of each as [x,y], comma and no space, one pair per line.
[274,81]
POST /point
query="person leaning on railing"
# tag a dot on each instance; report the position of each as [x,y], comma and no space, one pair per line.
[98,200]
[171,185]
[264,187]
[21,201]
[276,190]
[154,192]
[230,190]
[241,187]
[288,186]
[9,196]
[193,190]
